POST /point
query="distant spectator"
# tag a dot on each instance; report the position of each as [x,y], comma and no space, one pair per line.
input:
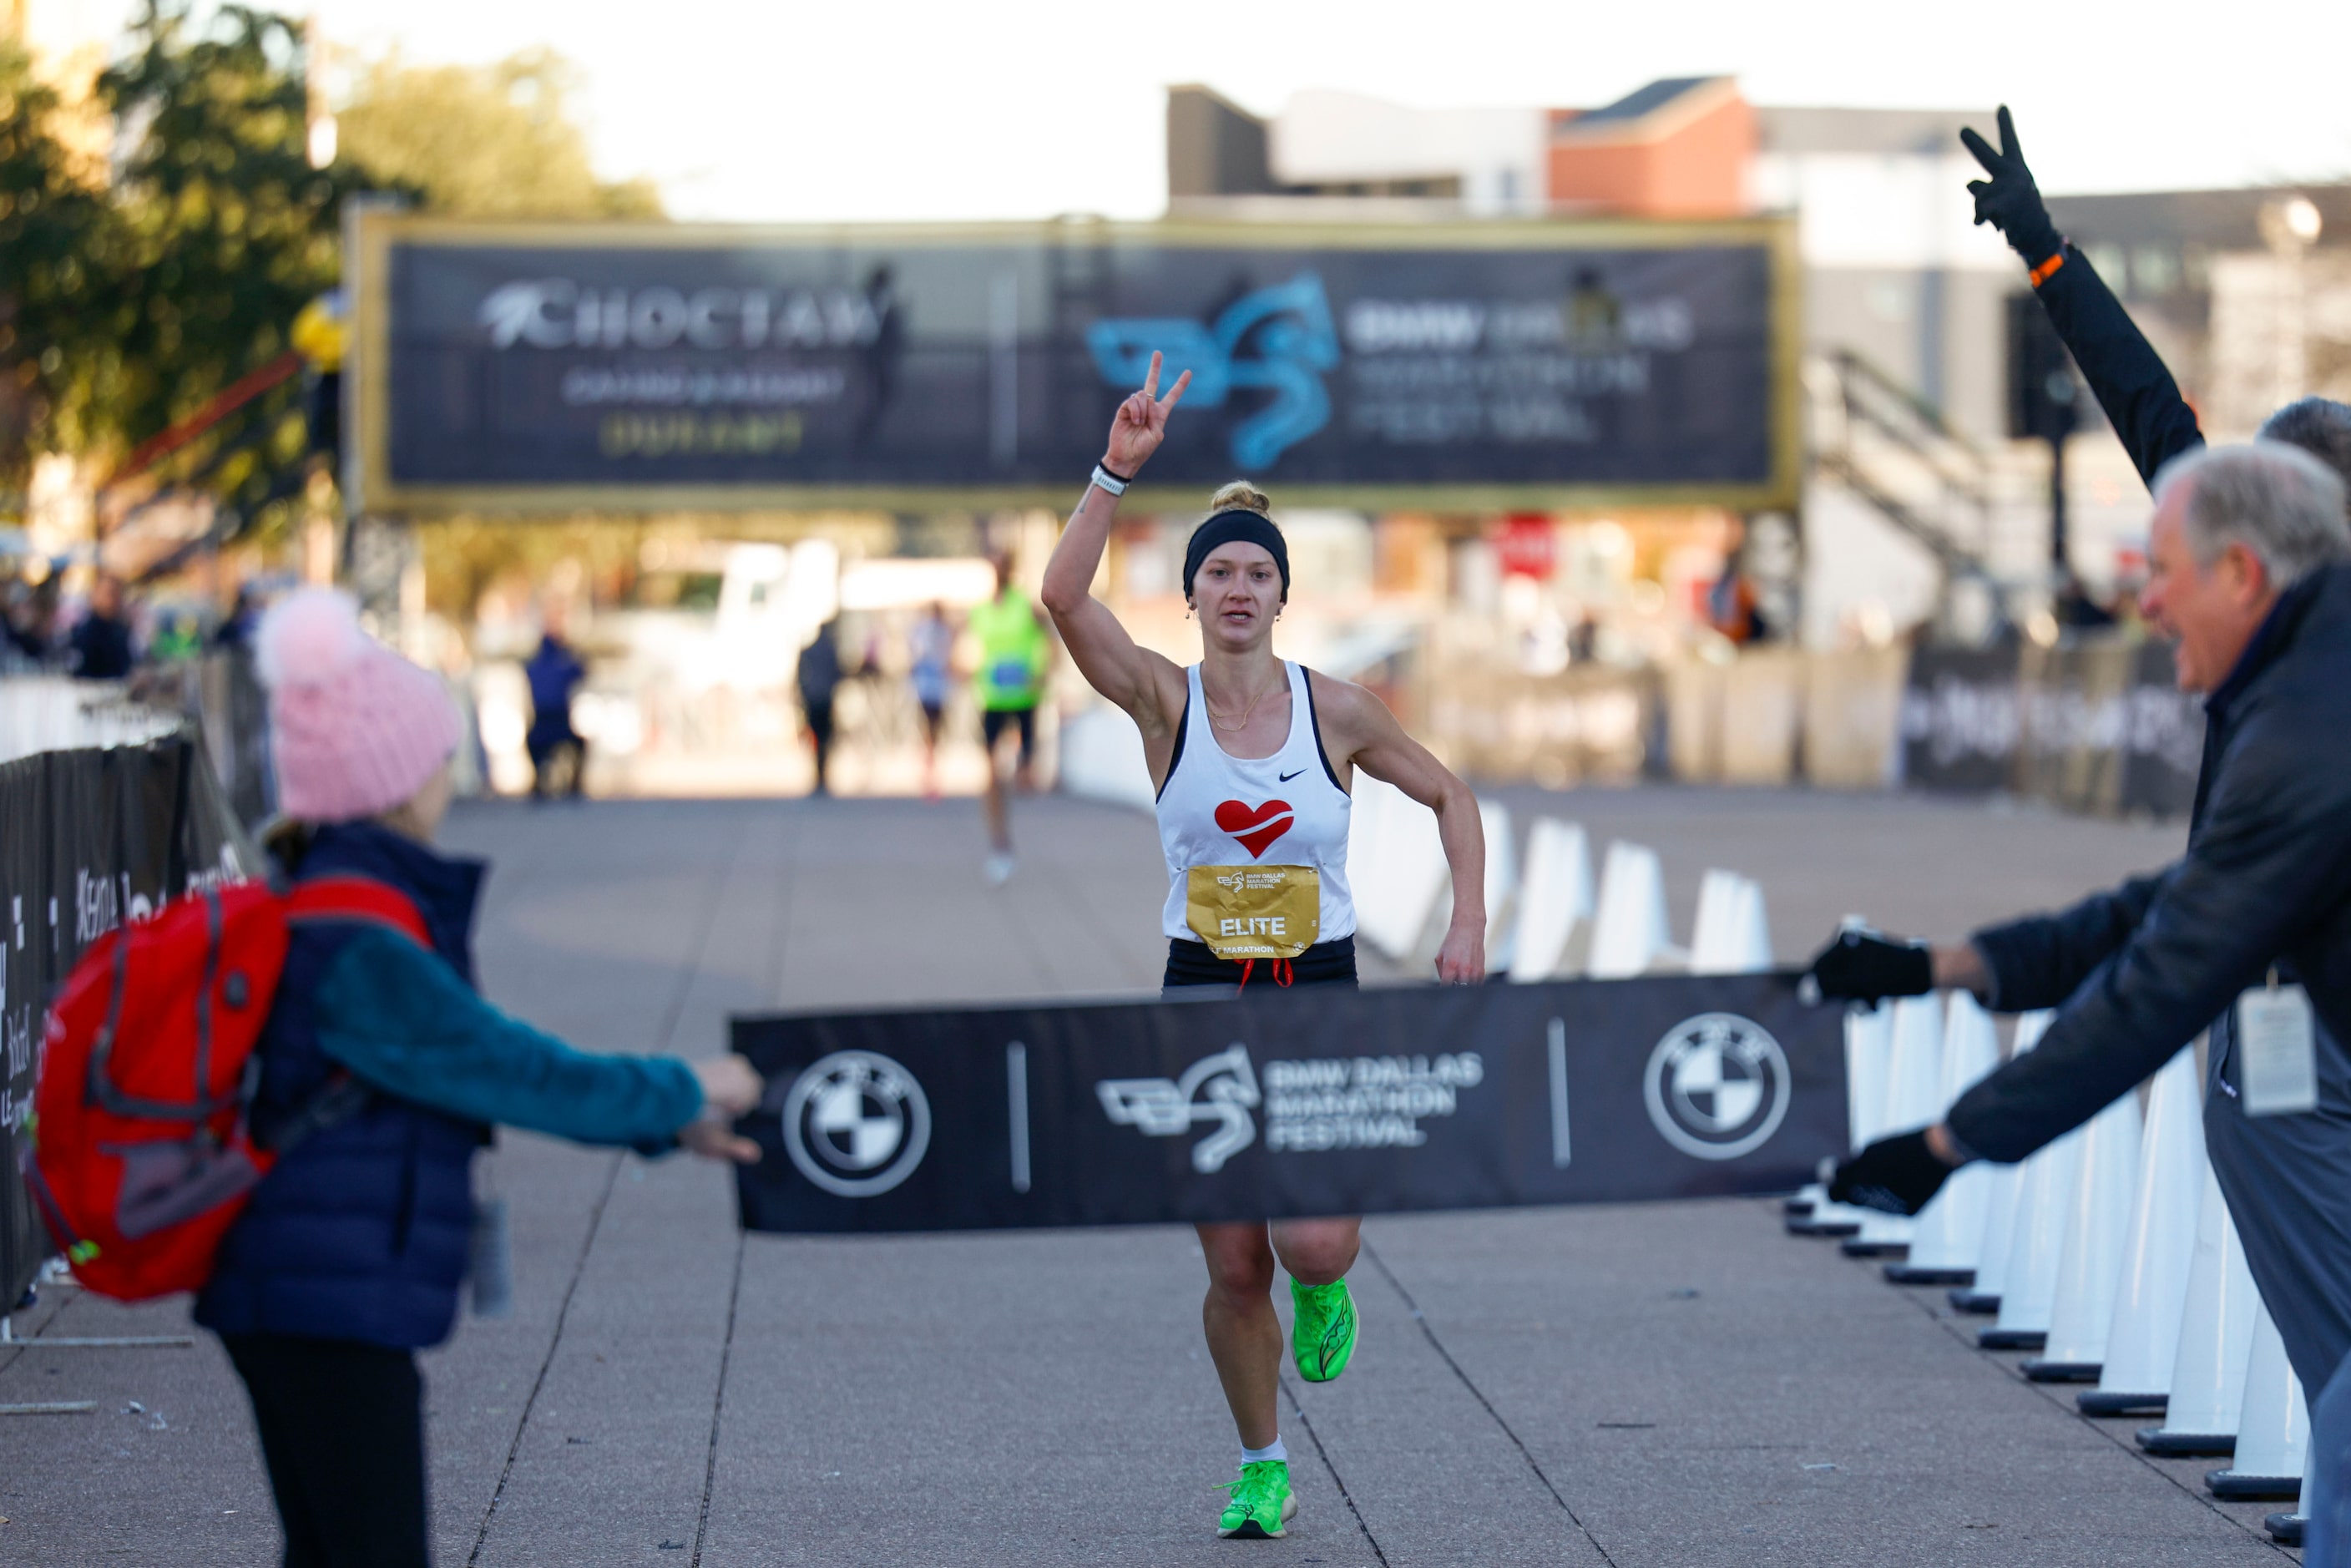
[176,636]
[555,674]
[931,645]
[820,678]
[102,639]
[1583,642]
[28,619]
[2076,608]
[236,631]
[1733,608]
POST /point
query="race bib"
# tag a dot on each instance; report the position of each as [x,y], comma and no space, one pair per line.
[1254,911]
[2277,1051]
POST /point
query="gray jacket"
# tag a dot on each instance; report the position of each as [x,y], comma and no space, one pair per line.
[2266,880]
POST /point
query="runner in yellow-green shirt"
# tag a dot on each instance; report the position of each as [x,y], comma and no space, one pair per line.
[1014,649]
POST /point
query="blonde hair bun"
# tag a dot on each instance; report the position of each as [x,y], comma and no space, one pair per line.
[1240,496]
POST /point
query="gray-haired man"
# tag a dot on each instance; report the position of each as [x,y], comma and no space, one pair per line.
[2251,558]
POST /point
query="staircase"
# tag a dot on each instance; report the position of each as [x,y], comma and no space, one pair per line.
[1896,452]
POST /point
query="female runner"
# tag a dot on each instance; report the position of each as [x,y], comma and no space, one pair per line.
[1253,757]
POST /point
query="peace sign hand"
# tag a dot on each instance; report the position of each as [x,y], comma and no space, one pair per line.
[2009,201]
[1142,422]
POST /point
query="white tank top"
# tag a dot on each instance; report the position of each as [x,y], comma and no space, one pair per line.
[1286,809]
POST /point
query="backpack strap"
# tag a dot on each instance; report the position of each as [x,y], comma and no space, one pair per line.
[358,898]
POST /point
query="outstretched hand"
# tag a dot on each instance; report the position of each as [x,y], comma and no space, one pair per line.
[2009,201]
[716,1140]
[1900,1175]
[1863,967]
[1142,422]
[731,1087]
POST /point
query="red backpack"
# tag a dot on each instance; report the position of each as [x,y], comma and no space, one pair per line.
[143,1152]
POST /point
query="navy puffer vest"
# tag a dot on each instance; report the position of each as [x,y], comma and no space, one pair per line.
[360,1231]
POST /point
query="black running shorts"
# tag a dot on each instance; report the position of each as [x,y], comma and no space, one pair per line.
[1191,963]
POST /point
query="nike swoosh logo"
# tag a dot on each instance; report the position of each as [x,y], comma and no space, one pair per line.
[1286,778]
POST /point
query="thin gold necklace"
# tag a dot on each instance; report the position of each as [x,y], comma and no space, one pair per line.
[1246,713]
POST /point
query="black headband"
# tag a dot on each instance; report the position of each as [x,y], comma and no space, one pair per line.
[1227,528]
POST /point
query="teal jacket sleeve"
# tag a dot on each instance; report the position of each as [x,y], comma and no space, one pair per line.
[401,1019]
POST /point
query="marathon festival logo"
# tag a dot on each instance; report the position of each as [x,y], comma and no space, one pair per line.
[1310,1106]
[1295,1103]
[1166,1108]
[1278,339]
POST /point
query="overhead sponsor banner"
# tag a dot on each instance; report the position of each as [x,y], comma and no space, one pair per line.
[87,840]
[1290,1104]
[611,365]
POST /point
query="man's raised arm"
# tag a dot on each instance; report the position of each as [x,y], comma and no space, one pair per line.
[2124,373]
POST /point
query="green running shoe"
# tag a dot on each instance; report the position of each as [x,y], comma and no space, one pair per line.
[1323,1334]
[1261,1507]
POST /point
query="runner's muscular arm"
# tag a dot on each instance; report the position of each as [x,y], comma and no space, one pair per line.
[1136,679]
[1365,734]
[1146,684]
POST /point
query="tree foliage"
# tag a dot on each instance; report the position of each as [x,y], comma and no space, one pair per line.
[132,295]
[51,227]
[486,142]
[224,229]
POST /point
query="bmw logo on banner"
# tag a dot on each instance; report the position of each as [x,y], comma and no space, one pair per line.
[856,1124]
[1718,1086]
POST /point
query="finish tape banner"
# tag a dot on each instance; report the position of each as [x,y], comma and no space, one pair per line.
[1287,1103]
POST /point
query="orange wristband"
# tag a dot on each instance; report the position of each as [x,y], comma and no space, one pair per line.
[2047,269]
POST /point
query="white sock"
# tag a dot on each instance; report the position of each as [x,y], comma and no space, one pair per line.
[1273,1450]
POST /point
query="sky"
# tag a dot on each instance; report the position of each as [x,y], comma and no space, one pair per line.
[817,111]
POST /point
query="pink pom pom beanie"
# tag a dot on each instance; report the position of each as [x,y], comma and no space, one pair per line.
[355,730]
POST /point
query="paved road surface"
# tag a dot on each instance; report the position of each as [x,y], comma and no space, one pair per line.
[1669,1385]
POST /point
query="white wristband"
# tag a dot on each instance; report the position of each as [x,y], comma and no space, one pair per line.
[1103,478]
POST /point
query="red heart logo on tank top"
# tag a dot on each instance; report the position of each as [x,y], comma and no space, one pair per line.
[1257,828]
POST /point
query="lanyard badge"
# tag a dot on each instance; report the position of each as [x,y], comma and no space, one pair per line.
[2277,1050]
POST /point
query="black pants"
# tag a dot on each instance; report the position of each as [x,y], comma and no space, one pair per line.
[2288,1183]
[342,1431]
[820,725]
[549,753]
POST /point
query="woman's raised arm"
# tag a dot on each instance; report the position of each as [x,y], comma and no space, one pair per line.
[1132,677]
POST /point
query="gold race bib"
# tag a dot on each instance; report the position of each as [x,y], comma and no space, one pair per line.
[1254,911]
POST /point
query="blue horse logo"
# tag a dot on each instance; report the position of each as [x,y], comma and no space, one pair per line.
[1296,345]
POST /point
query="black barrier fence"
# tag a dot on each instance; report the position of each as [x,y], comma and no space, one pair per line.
[87,839]
[1290,1104]
[2096,726]
[234,709]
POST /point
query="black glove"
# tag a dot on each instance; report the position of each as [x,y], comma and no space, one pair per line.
[1894,1175]
[1862,967]
[2009,201]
